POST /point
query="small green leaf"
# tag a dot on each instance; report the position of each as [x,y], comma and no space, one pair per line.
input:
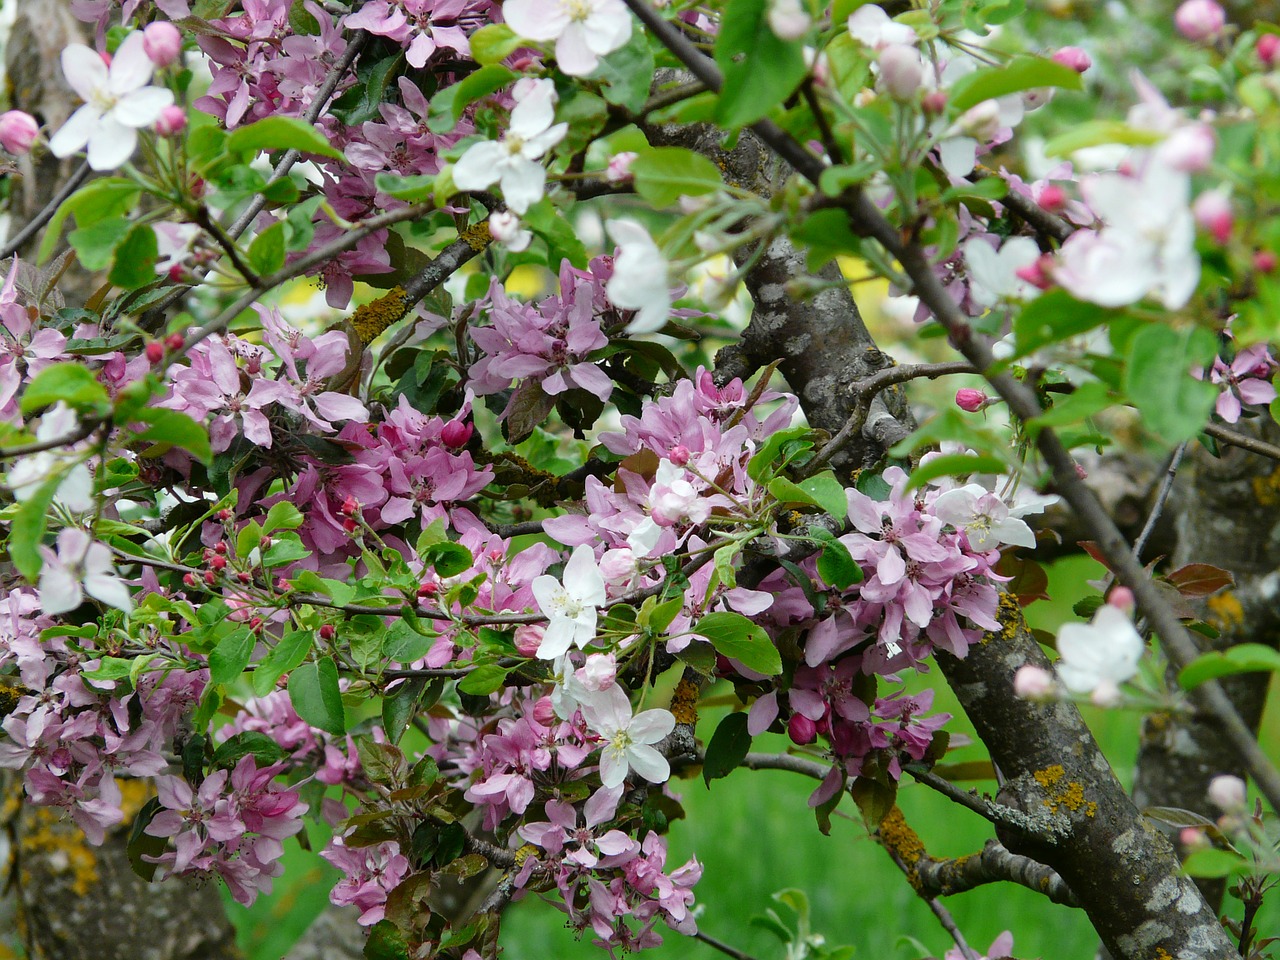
[727,749]
[448,103]
[739,639]
[829,493]
[134,264]
[1093,133]
[785,491]
[665,174]
[483,680]
[399,706]
[449,559]
[760,69]
[314,692]
[229,658]
[111,198]
[71,382]
[1055,316]
[1214,863]
[627,72]
[493,43]
[1021,73]
[289,652]
[265,750]
[954,465]
[282,516]
[836,566]
[176,429]
[266,253]
[1242,658]
[1174,404]
[412,189]
[281,133]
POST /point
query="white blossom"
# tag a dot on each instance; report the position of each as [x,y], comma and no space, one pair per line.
[75,491]
[81,565]
[993,275]
[117,102]
[570,606]
[639,280]
[984,517]
[511,161]
[584,30]
[1103,653]
[626,738]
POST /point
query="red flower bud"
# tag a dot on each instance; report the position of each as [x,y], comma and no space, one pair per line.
[210,577]
[1269,49]
[801,729]
[1052,198]
[328,631]
[220,548]
[155,352]
[175,341]
[190,579]
[218,563]
[456,433]
[971,401]
[1264,261]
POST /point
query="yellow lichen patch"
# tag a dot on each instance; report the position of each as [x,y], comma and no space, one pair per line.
[1225,611]
[1009,616]
[524,852]
[476,236]
[10,694]
[684,702]
[371,319]
[133,794]
[1266,490]
[1163,954]
[896,835]
[64,849]
[1060,792]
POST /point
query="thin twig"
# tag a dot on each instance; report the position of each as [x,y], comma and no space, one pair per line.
[1243,441]
[46,212]
[84,430]
[1162,496]
[942,913]
[723,947]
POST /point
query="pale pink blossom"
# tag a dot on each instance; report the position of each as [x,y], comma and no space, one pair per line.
[583,30]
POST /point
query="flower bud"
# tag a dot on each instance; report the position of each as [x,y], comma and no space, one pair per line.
[801,729]
[1033,683]
[934,102]
[162,43]
[788,19]
[1264,261]
[1036,98]
[189,579]
[1106,694]
[455,433]
[529,638]
[901,71]
[971,401]
[619,168]
[1200,20]
[18,131]
[1073,58]
[982,122]
[1122,599]
[1269,49]
[505,228]
[1212,211]
[155,352]
[172,121]
[175,341]
[327,631]
[1227,793]
[543,712]
[679,455]
[1052,198]
[1190,148]
[1192,839]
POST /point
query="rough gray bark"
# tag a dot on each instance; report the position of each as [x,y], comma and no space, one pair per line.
[1230,518]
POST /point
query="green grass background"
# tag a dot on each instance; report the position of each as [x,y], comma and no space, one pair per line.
[755,835]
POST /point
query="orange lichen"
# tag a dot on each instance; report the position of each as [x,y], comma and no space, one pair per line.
[1225,610]
[1060,792]
[371,319]
[1266,490]
[1009,616]
[65,850]
[684,702]
[476,236]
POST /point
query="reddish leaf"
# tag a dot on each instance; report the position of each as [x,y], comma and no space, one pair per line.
[1029,581]
[1200,579]
[1093,550]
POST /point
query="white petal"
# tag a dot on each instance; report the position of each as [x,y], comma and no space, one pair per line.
[142,108]
[111,145]
[131,68]
[110,590]
[84,70]
[523,183]
[649,763]
[557,639]
[582,578]
[613,767]
[651,726]
[479,166]
[75,133]
[59,590]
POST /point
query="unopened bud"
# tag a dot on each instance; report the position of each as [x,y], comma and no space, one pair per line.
[901,71]
[1106,693]
[1122,599]
[543,712]
[18,131]
[1227,793]
[455,433]
[1264,261]
[189,579]
[801,729]
[172,121]
[1212,211]
[155,352]
[788,19]
[1038,273]
[679,455]
[971,401]
[1033,683]
[1269,49]
[529,638]
[1073,58]
[1200,20]
[162,43]
[1052,198]
[327,631]
[934,102]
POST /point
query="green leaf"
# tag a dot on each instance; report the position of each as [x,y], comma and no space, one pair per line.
[289,652]
[449,559]
[1174,404]
[282,516]
[483,680]
[403,644]
[266,253]
[1055,316]
[176,429]
[447,105]
[739,639]
[281,133]
[772,459]
[111,198]
[665,174]
[134,264]
[829,493]
[1214,863]
[96,245]
[493,43]
[1074,408]
[727,749]
[1021,73]
[411,189]
[760,69]
[836,566]
[70,382]
[26,530]
[142,843]
[627,72]
[229,658]
[284,549]
[1093,133]
[954,465]
[399,707]
[786,491]
[313,690]
[265,750]
[1242,658]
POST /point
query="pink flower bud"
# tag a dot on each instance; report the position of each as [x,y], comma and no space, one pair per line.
[901,71]
[1200,20]
[679,455]
[1264,261]
[1081,472]
[1038,273]
[1073,58]
[1052,198]
[1212,211]
[1269,48]
[1192,838]
[801,729]
[971,401]
[18,131]
[529,638]
[162,43]
[1122,599]
[1227,793]
[172,120]
[1033,683]
[543,712]
[619,168]
[455,433]
[934,102]
[1190,148]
